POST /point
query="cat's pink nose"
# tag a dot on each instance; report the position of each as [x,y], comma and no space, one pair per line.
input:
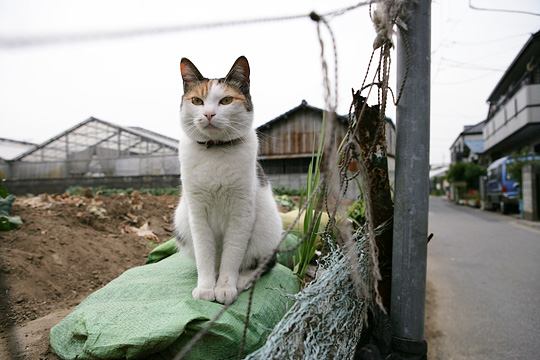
[209,116]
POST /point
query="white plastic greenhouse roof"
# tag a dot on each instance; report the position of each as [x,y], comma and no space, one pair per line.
[10,149]
[172,142]
[94,132]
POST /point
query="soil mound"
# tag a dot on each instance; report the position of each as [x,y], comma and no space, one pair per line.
[70,246]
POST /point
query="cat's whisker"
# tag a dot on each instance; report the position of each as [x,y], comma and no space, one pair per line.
[242,140]
[227,133]
[190,130]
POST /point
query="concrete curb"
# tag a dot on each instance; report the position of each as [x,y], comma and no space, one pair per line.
[532,224]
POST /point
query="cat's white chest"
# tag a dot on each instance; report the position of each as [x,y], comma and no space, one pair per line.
[219,179]
[214,170]
[218,169]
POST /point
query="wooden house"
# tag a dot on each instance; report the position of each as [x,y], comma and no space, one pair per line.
[287,144]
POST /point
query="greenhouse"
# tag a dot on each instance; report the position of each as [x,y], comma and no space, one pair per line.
[95,149]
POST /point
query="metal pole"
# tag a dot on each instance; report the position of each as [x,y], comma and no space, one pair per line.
[412,184]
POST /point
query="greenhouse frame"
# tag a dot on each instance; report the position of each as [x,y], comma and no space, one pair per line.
[95,149]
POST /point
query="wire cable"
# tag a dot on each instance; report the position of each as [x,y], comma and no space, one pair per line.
[502,10]
[466,65]
[55,39]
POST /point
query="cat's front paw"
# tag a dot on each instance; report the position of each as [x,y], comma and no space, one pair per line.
[225,294]
[203,294]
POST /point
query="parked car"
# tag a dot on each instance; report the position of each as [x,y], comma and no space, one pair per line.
[502,191]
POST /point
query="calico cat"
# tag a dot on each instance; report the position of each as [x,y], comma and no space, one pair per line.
[226,217]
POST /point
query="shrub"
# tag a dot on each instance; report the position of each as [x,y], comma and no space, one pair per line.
[7,222]
[466,172]
[282,190]
[357,213]
[515,168]
[285,201]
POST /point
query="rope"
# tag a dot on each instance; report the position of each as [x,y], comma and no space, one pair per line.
[405,39]
[246,323]
[385,17]
[330,165]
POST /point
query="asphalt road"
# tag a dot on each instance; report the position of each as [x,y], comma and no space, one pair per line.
[484,269]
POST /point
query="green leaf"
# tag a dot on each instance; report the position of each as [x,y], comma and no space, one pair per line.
[3,191]
[9,222]
[312,216]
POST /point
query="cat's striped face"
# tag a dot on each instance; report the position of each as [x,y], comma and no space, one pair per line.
[216,109]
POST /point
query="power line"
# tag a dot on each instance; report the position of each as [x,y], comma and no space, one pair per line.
[476,43]
[464,81]
[32,41]
[502,10]
[466,65]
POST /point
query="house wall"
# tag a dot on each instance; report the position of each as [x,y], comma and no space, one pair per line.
[531,192]
[459,147]
[299,134]
[4,169]
[391,171]
[296,181]
[293,136]
[520,110]
[390,139]
[286,165]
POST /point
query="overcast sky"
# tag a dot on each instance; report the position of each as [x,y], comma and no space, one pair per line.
[136,81]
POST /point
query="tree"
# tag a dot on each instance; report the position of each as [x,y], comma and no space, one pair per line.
[466,172]
[515,168]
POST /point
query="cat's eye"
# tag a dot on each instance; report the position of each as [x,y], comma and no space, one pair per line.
[196,101]
[226,100]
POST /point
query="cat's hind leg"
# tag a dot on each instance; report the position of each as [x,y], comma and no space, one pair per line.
[181,228]
[245,280]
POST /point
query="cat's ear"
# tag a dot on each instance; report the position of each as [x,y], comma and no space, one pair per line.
[239,74]
[190,74]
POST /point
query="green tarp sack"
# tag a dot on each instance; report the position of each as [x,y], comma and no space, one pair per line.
[148,312]
[285,256]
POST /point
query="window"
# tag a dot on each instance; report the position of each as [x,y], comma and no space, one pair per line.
[286,166]
[492,173]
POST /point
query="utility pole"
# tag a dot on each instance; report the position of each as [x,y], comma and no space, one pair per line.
[411,185]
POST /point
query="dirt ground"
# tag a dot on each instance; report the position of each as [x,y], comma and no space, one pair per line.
[68,247]
[432,332]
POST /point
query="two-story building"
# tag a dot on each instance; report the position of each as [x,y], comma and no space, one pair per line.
[513,121]
[469,143]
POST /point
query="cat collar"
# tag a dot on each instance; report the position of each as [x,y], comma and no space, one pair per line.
[210,143]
